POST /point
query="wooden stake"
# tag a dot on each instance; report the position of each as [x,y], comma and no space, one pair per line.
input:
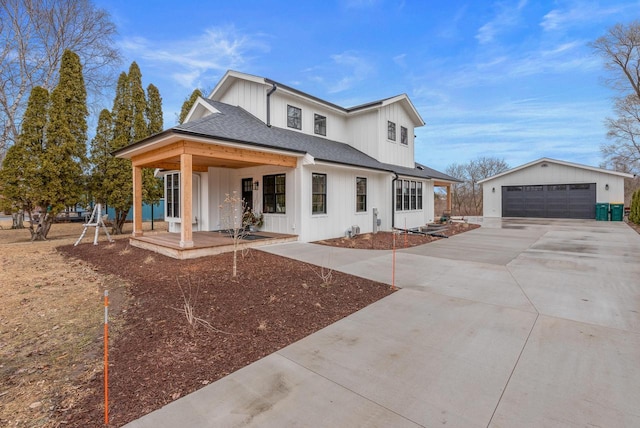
[106,357]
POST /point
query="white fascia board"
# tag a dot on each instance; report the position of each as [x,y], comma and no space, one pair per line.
[227,80]
[200,104]
[558,162]
[404,99]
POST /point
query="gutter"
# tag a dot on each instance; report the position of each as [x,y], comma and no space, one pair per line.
[393,201]
[271,91]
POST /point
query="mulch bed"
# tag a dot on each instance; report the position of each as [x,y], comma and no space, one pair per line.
[157,357]
[384,240]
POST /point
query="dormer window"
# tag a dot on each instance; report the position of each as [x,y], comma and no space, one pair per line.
[391,130]
[403,136]
[320,124]
[294,117]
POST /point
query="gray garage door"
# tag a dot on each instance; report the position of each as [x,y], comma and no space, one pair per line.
[550,201]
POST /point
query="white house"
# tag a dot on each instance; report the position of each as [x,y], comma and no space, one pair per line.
[315,169]
[551,188]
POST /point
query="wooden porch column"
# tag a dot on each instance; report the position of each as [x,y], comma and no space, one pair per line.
[449,198]
[137,201]
[186,198]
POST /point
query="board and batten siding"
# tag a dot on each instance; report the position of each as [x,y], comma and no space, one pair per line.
[553,173]
[341,202]
[251,96]
[394,152]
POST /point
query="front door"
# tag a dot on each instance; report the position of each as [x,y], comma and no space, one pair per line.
[247,193]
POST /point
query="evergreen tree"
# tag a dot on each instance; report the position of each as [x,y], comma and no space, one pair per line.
[45,170]
[66,137]
[154,110]
[153,188]
[188,103]
[20,180]
[634,212]
[100,156]
[132,118]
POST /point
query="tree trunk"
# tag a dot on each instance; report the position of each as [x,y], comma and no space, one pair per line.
[17,220]
[118,223]
[40,231]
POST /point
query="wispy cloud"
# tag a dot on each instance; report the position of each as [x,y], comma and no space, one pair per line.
[344,71]
[560,19]
[191,60]
[507,16]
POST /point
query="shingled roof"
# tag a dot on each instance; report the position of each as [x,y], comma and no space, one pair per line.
[235,124]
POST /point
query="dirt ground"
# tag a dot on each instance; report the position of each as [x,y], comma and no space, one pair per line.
[51,321]
[50,324]
[385,240]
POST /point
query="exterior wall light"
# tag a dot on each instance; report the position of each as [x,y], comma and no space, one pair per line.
[606,187]
[493,190]
[256,185]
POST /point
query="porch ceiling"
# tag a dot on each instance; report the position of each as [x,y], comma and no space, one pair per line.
[206,155]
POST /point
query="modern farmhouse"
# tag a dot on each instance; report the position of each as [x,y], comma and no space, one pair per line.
[316,170]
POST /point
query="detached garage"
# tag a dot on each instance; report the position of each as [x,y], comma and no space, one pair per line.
[551,188]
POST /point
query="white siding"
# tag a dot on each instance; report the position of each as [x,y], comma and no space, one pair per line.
[394,152]
[341,202]
[336,121]
[250,96]
[551,174]
[364,133]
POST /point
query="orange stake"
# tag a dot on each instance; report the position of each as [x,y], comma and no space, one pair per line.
[406,233]
[393,263]
[106,357]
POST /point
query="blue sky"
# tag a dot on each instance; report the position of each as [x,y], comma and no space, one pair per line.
[511,79]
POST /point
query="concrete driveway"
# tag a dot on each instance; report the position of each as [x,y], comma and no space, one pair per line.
[521,323]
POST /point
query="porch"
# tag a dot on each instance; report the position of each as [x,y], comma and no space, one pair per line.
[204,243]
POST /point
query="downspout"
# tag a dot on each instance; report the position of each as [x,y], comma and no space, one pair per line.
[271,91]
[393,201]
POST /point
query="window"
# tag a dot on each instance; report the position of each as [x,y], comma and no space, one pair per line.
[172,194]
[413,195]
[361,194]
[579,186]
[318,193]
[273,193]
[533,188]
[555,187]
[405,194]
[320,124]
[514,188]
[294,117]
[398,195]
[391,131]
[403,136]
[408,195]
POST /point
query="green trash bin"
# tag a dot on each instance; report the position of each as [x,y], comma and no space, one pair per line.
[602,211]
[617,212]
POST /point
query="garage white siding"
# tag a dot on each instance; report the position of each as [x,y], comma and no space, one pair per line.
[609,185]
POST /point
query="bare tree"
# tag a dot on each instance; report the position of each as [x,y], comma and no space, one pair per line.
[33,37]
[620,49]
[233,219]
[467,196]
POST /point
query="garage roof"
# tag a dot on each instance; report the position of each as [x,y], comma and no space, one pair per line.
[559,162]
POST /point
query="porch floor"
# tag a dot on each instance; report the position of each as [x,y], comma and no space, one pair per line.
[204,243]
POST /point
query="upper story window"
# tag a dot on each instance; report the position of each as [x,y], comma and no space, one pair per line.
[391,130]
[319,193]
[294,117]
[403,136]
[320,124]
[274,198]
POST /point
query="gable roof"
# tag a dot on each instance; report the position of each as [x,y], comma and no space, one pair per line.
[558,162]
[231,75]
[234,124]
